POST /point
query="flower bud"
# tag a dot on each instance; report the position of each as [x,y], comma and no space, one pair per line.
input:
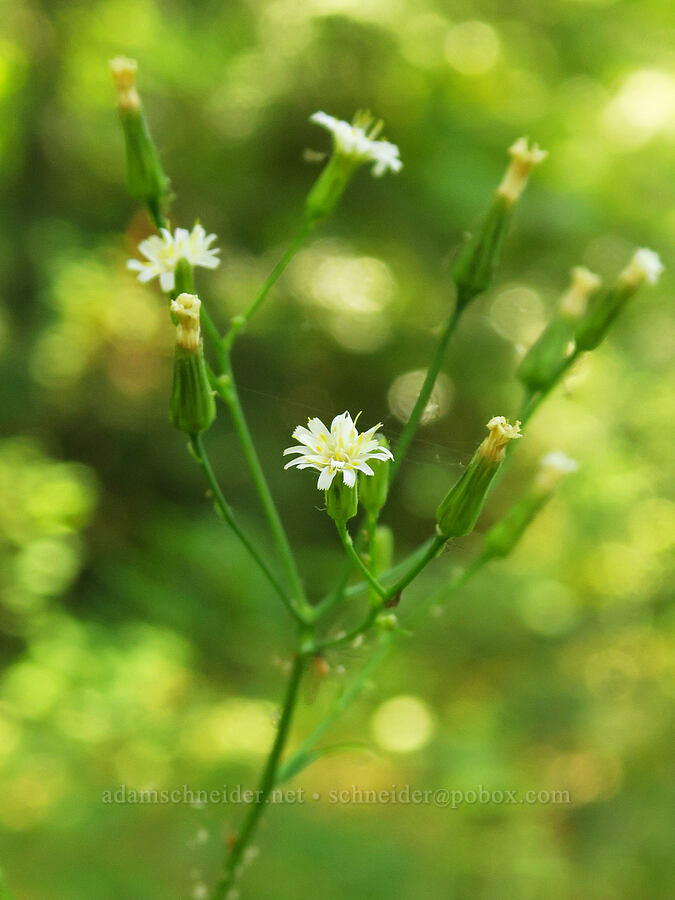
[474,267]
[382,551]
[146,180]
[459,511]
[373,489]
[544,359]
[645,266]
[503,537]
[193,407]
[342,501]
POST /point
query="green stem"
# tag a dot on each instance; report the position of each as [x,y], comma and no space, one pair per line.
[266,784]
[302,756]
[348,544]
[371,528]
[227,389]
[385,594]
[240,322]
[228,515]
[412,424]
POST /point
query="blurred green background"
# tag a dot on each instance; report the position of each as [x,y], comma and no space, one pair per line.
[139,646]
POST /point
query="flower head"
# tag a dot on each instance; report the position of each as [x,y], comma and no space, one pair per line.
[340,449]
[501,433]
[358,141]
[644,266]
[163,252]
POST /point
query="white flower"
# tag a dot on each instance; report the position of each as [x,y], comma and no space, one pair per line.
[163,251]
[342,449]
[358,141]
[501,434]
[644,266]
[560,462]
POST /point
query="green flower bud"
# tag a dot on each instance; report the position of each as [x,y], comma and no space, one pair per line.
[459,511]
[146,180]
[503,537]
[373,489]
[193,407]
[542,363]
[473,269]
[342,501]
[383,549]
[645,266]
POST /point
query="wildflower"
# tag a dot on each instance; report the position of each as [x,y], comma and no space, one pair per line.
[503,537]
[193,407]
[164,251]
[473,270]
[146,180]
[342,449]
[359,141]
[645,266]
[354,145]
[459,511]
[543,361]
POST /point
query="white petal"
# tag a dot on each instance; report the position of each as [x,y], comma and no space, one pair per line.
[325,480]
[349,477]
[365,468]
[167,281]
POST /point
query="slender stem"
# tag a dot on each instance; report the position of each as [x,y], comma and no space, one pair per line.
[227,513]
[348,544]
[302,756]
[413,422]
[371,528]
[329,601]
[385,594]
[227,389]
[240,322]
[267,781]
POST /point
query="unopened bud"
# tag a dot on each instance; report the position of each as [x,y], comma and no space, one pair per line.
[373,489]
[193,407]
[124,75]
[459,511]
[474,268]
[501,539]
[146,180]
[543,361]
[645,266]
[342,501]
[382,551]
[523,160]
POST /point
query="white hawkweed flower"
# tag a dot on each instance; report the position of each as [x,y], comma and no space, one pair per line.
[553,467]
[340,449]
[644,266]
[163,251]
[358,141]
